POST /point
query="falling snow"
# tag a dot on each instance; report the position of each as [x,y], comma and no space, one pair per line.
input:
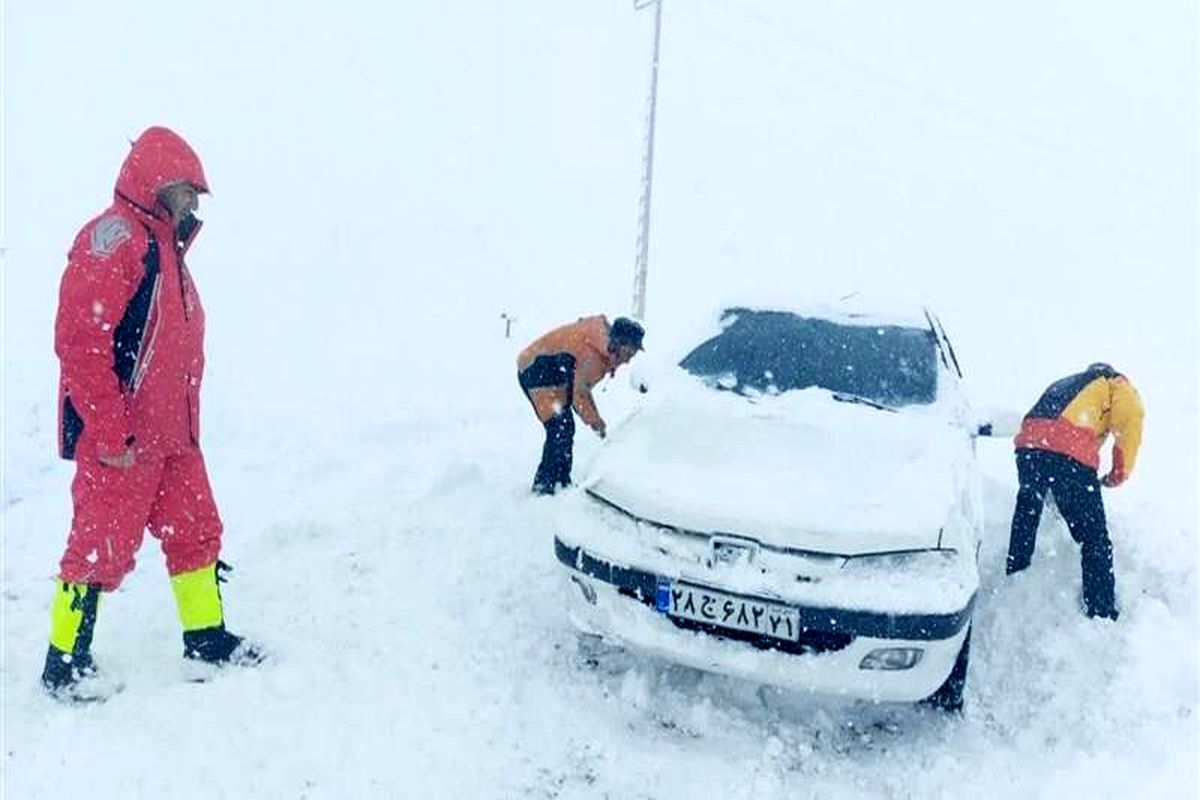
[388,181]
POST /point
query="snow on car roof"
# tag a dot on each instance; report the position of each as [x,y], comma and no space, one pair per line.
[855,308]
[674,330]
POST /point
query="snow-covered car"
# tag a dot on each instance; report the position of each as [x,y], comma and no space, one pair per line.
[796,502]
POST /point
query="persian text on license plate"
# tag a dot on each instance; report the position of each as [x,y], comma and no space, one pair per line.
[701,604]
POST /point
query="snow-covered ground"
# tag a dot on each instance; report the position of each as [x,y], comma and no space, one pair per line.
[387,183]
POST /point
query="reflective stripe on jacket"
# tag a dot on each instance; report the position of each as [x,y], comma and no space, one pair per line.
[587,341]
[1075,415]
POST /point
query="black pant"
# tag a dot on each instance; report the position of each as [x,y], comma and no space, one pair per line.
[1076,491]
[555,467]
[555,371]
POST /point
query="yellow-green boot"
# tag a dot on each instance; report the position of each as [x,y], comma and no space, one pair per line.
[72,623]
[198,596]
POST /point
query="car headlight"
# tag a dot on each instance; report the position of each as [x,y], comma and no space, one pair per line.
[627,536]
[584,509]
[904,561]
[612,517]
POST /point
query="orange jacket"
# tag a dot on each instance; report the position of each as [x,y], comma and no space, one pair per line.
[587,341]
[1076,414]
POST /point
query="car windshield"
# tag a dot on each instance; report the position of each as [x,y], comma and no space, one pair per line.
[775,351]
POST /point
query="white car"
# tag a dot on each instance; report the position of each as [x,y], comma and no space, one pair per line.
[797,503]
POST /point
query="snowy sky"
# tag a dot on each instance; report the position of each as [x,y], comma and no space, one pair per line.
[384,177]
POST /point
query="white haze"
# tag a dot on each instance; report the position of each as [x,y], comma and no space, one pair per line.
[388,180]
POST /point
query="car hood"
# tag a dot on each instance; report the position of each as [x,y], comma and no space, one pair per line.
[817,475]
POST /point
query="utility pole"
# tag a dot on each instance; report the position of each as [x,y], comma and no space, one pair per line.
[643,242]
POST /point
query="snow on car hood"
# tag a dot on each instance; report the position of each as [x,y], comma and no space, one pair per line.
[799,470]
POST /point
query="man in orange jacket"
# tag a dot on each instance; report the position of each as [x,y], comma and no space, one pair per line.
[1058,451]
[557,373]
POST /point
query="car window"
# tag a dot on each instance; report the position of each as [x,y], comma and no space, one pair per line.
[775,351]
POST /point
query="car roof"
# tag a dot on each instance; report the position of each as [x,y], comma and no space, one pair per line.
[674,330]
[852,309]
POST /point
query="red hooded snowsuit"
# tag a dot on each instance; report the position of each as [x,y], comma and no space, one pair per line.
[130,338]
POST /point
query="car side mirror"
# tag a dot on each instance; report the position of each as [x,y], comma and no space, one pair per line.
[640,375]
[1000,423]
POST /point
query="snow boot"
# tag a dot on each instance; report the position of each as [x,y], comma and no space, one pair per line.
[72,623]
[198,596]
[219,646]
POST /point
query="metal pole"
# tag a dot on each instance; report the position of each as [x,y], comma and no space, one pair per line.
[643,242]
[508,324]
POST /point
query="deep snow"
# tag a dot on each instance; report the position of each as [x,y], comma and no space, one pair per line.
[386,183]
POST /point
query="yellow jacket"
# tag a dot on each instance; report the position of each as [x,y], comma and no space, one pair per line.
[1076,414]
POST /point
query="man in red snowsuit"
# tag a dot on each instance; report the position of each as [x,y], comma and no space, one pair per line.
[130,339]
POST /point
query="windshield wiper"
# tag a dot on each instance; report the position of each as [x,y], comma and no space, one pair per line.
[846,397]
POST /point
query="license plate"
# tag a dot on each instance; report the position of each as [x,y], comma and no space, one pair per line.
[701,604]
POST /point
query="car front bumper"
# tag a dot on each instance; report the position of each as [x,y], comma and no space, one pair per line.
[617,602]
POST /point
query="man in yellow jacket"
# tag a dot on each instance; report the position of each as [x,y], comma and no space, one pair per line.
[1058,451]
[557,373]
